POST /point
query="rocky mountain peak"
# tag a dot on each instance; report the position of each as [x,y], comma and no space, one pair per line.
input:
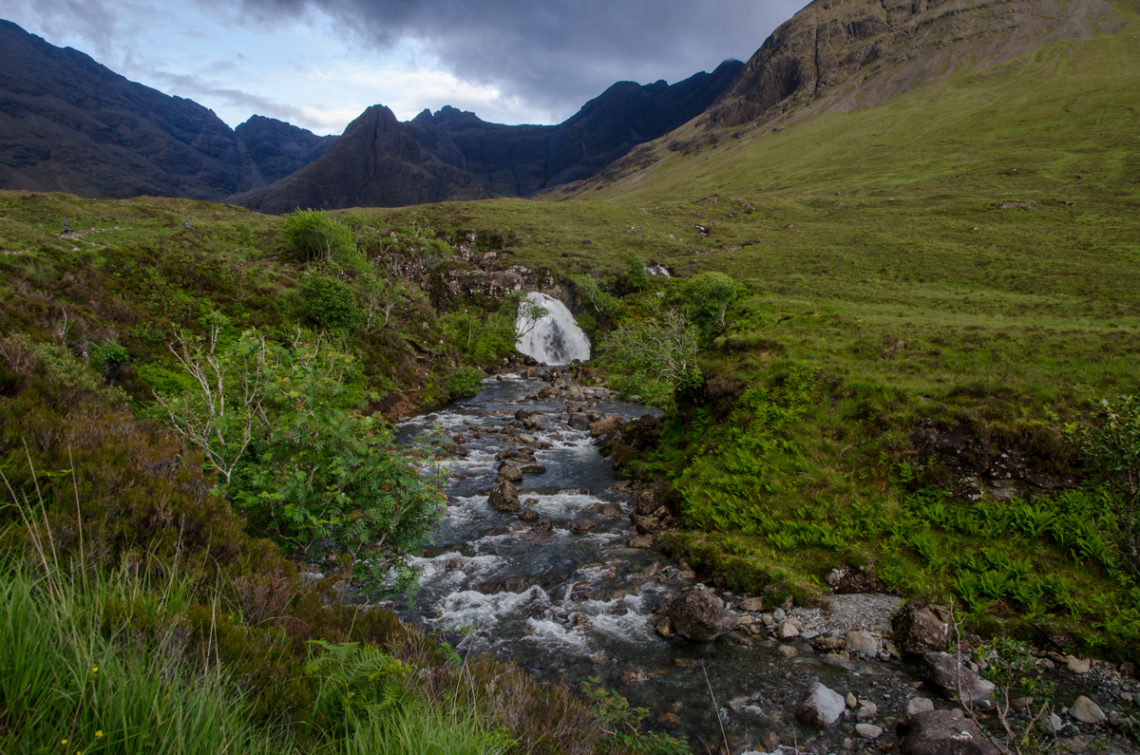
[842,54]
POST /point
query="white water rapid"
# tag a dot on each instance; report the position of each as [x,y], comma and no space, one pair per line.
[553,339]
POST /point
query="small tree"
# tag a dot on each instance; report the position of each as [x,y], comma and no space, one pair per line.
[305,467]
[707,298]
[1112,451]
[654,357]
[313,235]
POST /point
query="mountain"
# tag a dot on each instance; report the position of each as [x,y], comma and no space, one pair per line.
[69,124]
[837,57]
[278,149]
[842,55]
[455,155]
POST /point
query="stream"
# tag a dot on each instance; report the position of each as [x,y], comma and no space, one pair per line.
[560,584]
[564,595]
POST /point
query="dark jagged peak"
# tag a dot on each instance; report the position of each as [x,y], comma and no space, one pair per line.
[454,154]
[447,116]
[376,162]
[278,148]
[843,54]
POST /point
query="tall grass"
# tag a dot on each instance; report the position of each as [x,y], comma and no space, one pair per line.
[76,678]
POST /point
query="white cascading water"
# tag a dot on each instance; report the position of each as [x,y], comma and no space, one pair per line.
[553,339]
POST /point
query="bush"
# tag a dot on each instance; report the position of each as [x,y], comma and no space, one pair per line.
[330,303]
[707,298]
[653,357]
[465,381]
[313,235]
[305,467]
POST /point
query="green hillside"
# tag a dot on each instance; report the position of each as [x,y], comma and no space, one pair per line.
[895,328]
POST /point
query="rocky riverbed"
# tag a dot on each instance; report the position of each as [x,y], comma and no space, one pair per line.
[546,559]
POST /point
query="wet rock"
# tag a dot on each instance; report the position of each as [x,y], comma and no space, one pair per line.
[787,651]
[544,526]
[529,516]
[522,414]
[604,427]
[582,526]
[917,705]
[664,627]
[531,502]
[504,497]
[533,468]
[860,642]
[610,510]
[700,615]
[579,421]
[510,472]
[955,679]
[1086,711]
[822,708]
[939,732]
[922,628]
[837,660]
[641,541]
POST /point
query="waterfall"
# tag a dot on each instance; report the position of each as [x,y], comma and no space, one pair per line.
[553,339]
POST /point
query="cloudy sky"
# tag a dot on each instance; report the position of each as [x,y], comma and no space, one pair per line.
[320,63]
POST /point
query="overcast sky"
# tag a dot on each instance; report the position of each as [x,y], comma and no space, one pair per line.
[320,63]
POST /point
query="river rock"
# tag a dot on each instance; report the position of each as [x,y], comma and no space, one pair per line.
[917,705]
[788,629]
[504,497]
[752,604]
[609,426]
[922,628]
[787,651]
[579,421]
[860,642]
[510,472]
[530,516]
[700,615]
[641,541]
[868,731]
[1086,711]
[939,732]
[610,510]
[953,678]
[645,502]
[582,526]
[822,708]
[1077,665]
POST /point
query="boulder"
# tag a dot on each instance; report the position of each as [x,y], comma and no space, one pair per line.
[610,510]
[579,421]
[922,628]
[954,679]
[530,516]
[1086,711]
[608,426]
[822,708]
[645,502]
[940,732]
[504,497]
[700,615]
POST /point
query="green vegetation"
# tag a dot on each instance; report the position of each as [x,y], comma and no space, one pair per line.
[887,345]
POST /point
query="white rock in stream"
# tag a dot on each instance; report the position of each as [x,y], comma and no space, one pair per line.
[822,708]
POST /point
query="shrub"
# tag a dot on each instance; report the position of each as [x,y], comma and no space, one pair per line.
[465,381]
[707,298]
[313,235]
[654,357]
[330,303]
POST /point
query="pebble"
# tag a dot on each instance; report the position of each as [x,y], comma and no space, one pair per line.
[787,651]
[867,711]
[851,700]
[868,731]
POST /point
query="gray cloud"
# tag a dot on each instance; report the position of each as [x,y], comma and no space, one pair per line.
[553,53]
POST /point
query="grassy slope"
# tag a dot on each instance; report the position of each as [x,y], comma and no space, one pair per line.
[888,290]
